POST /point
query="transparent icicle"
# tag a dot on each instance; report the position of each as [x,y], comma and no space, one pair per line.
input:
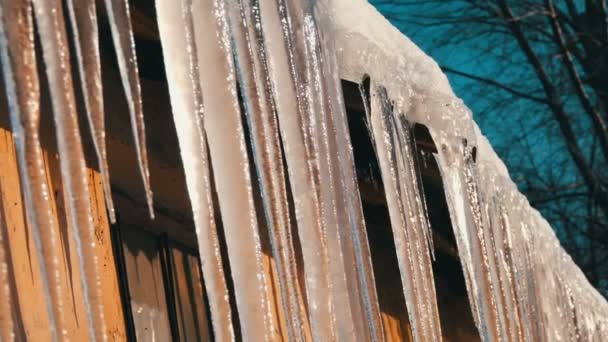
[396,156]
[83,18]
[502,249]
[465,212]
[231,170]
[124,44]
[261,116]
[301,168]
[179,52]
[352,208]
[479,252]
[318,132]
[50,23]
[22,87]
[7,330]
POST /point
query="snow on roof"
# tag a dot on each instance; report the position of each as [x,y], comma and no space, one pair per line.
[368,45]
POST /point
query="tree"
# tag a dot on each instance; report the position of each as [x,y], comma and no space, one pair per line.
[535,72]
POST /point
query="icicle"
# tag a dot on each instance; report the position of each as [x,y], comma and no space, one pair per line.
[352,208]
[396,158]
[261,115]
[50,22]
[179,52]
[311,215]
[465,211]
[83,17]
[503,248]
[124,44]
[230,163]
[7,332]
[21,81]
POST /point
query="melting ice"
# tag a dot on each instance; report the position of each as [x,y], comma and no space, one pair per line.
[257,103]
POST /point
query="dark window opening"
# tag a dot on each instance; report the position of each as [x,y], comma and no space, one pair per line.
[375,210]
[454,309]
[452,298]
[161,287]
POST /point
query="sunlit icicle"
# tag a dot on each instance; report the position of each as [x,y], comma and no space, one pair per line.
[7,329]
[349,209]
[421,231]
[396,158]
[302,36]
[352,206]
[179,52]
[22,87]
[300,164]
[231,170]
[501,294]
[51,29]
[465,212]
[83,17]
[261,117]
[124,44]
[503,248]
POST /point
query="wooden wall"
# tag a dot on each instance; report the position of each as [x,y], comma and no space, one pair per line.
[29,302]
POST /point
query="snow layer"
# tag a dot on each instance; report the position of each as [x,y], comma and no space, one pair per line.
[510,253]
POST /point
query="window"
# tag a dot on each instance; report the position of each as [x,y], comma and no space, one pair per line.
[161,287]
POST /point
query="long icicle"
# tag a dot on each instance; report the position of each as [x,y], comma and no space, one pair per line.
[290,112]
[21,81]
[477,235]
[261,115]
[319,136]
[395,155]
[83,17]
[179,53]
[420,227]
[352,207]
[223,126]
[124,43]
[49,17]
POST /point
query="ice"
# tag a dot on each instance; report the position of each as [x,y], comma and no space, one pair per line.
[287,58]
[21,81]
[261,117]
[306,202]
[521,283]
[408,219]
[83,18]
[50,22]
[124,44]
[352,207]
[179,50]
[231,169]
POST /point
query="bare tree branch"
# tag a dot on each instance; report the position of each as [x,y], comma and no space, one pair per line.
[494,83]
[599,124]
[557,107]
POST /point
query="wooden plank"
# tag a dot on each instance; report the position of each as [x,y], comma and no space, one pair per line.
[34,322]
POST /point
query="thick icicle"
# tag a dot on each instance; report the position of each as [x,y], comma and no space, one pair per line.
[231,170]
[352,207]
[179,52]
[21,81]
[261,117]
[469,228]
[83,17]
[7,330]
[396,155]
[124,44]
[303,39]
[50,22]
[300,161]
